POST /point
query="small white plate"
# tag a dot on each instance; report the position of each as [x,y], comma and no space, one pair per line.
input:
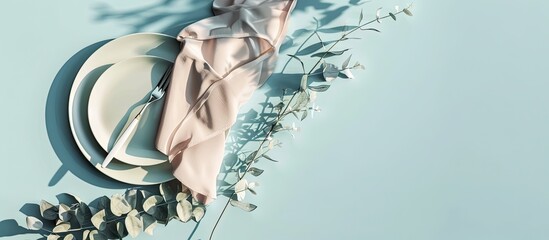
[125,47]
[115,100]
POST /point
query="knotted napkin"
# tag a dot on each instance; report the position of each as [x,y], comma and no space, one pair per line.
[223,60]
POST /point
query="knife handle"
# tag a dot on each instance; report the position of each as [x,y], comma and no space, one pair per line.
[118,145]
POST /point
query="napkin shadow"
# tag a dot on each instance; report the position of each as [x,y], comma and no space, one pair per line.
[58,128]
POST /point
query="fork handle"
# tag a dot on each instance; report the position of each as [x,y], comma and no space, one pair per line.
[118,145]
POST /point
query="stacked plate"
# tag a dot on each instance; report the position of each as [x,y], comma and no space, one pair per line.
[108,91]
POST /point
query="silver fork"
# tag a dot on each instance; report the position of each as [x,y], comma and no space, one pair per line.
[156,94]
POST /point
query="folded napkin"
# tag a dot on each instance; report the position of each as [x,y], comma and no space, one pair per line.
[223,59]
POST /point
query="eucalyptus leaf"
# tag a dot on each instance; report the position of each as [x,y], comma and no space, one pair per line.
[69,237]
[53,237]
[96,235]
[98,220]
[119,205]
[184,210]
[149,223]
[251,157]
[131,197]
[330,53]
[150,204]
[393,16]
[346,62]
[240,189]
[330,72]
[198,213]
[83,214]
[161,214]
[169,190]
[145,194]
[85,234]
[361,17]
[34,223]
[304,82]
[407,12]
[319,88]
[298,59]
[121,229]
[69,199]
[182,196]
[48,210]
[301,101]
[172,210]
[248,207]
[269,158]
[61,228]
[304,115]
[370,29]
[133,225]
[256,171]
[103,202]
[64,212]
[347,72]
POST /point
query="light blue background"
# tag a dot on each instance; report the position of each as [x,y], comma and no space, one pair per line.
[443,136]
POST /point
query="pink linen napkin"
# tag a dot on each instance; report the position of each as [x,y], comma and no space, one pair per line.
[223,59]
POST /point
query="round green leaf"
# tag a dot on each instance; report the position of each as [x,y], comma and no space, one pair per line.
[184,210]
[61,228]
[133,225]
[85,234]
[48,210]
[96,235]
[98,220]
[182,196]
[53,237]
[169,190]
[198,213]
[407,12]
[150,204]
[83,214]
[131,197]
[121,229]
[69,237]
[34,223]
[330,72]
[64,212]
[119,205]
[149,223]
[172,210]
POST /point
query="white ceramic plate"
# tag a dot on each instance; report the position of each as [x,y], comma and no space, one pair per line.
[117,97]
[159,45]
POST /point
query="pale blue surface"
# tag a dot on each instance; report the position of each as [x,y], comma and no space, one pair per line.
[444,136]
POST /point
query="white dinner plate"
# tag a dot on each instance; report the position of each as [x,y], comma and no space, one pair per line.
[117,97]
[122,48]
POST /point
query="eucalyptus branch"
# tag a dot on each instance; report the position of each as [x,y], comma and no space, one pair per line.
[284,112]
